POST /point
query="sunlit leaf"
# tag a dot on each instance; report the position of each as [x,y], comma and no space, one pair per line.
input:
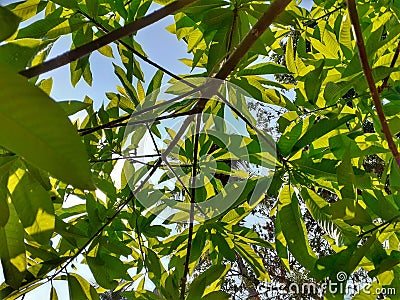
[12,250]
[79,288]
[34,127]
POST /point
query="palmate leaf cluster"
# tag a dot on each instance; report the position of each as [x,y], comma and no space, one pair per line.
[333,161]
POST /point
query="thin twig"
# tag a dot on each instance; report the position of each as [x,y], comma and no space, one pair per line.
[370,79]
[378,227]
[106,39]
[110,219]
[120,158]
[230,64]
[134,51]
[192,202]
[312,21]
[392,64]
[131,197]
[131,123]
[86,131]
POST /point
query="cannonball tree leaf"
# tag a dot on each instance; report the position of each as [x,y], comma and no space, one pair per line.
[79,288]
[8,23]
[33,205]
[34,127]
[12,250]
[72,106]
[17,54]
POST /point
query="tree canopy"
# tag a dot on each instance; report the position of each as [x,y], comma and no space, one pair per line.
[290,117]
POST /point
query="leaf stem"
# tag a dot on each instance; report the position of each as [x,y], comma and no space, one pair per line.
[378,227]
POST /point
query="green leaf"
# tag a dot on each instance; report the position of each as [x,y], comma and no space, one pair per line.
[319,129]
[264,68]
[12,250]
[153,263]
[252,258]
[107,270]
[379,204]
[27,9]
[5,164]
[316,205]
[290,63]
[33,205]
[50,28]
[205,279]
[72,4]
[225,246]
[18,54]
[293,227]
[155,84]
[394,176]
[292,135]
[73,106]
[345,32]
[107,51]
[53,294]
[79,288]
[198,243]
[92,7]
[216,295]
[313,82]
[281,244]
[9,23]
[36,128]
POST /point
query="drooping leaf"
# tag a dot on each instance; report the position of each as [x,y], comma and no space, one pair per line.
[73,106]
[33,205]
[17,54]
[198,285]
[12,250]
[79,288]
[293,227]
[9,23]
[263,69]
[53,294]
[27,9]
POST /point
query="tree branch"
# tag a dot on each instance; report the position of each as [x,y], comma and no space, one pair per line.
[370,79]
[263,23]
[106,39]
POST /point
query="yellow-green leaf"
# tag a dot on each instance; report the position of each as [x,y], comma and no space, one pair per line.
[293,227]
[12,250]
[34,127]
[79,288]
[33,205]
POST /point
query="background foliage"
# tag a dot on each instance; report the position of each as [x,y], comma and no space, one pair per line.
[333,204]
